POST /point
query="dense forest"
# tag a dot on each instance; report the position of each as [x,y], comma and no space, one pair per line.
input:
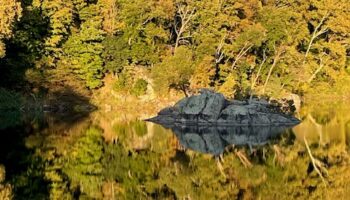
[237,47]
[60,60]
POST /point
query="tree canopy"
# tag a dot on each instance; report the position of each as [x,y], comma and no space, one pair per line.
[281,46]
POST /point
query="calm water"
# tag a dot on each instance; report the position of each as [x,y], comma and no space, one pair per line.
[112,155]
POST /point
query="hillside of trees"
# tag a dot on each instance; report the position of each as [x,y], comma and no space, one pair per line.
[62,60]
[238,47]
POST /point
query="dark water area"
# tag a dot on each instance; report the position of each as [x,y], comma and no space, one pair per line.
[114,155]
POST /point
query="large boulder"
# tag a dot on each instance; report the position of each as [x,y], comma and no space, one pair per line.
[212,108]
[214,104]
[207,104]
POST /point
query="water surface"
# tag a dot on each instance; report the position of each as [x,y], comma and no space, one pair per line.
[113,155]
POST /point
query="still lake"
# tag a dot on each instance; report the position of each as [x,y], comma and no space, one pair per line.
[113,155]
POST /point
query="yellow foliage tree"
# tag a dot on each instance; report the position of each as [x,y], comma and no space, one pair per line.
[228,88]
[10,11]
[109,13]
[203,74]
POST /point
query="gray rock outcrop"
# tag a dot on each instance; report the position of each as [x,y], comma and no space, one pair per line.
[212,108]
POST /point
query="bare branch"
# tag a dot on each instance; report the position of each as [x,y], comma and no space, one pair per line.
[275,61]
[220,167]
[175,28]
[321,32]
[219,54]
[185,14]
[147,20]
[243,51]
[184,37]
[317,70]
[257,76]
[315,34]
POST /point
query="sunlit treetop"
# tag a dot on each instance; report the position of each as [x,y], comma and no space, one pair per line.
[10,11]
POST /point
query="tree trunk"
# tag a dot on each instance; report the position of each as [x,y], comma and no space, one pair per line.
[315,34]
[243,51]
[185,92]
[185,14]
[275,60]
[256,78]
[316,72]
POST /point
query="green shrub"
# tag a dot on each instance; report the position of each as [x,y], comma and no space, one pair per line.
[139,88]
[121,85]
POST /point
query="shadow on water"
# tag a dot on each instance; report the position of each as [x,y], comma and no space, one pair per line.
[24,116]
[66,107]
[60,108]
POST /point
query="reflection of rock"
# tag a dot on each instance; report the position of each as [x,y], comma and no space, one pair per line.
[210,107]
[208,122]
[213,140]
[195,141]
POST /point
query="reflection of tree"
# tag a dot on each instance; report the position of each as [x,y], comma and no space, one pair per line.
[327,123]
[84,166]
[347,132]
[5,189]
[130,169]
[323,116]
[92,168]
[59,185]
[318,128]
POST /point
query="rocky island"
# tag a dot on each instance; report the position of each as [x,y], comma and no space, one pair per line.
[212,108]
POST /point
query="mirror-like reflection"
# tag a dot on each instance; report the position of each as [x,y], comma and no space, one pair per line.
[113,155]
[325,124]
[214,139]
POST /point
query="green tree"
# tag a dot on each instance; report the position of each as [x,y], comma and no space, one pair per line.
[142,33]
[10,11]
[204,74]
[25,47]
[116,54]
[174,72]
[282,31]
[139,87]
[328,41]
[84,47]
[60,14]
